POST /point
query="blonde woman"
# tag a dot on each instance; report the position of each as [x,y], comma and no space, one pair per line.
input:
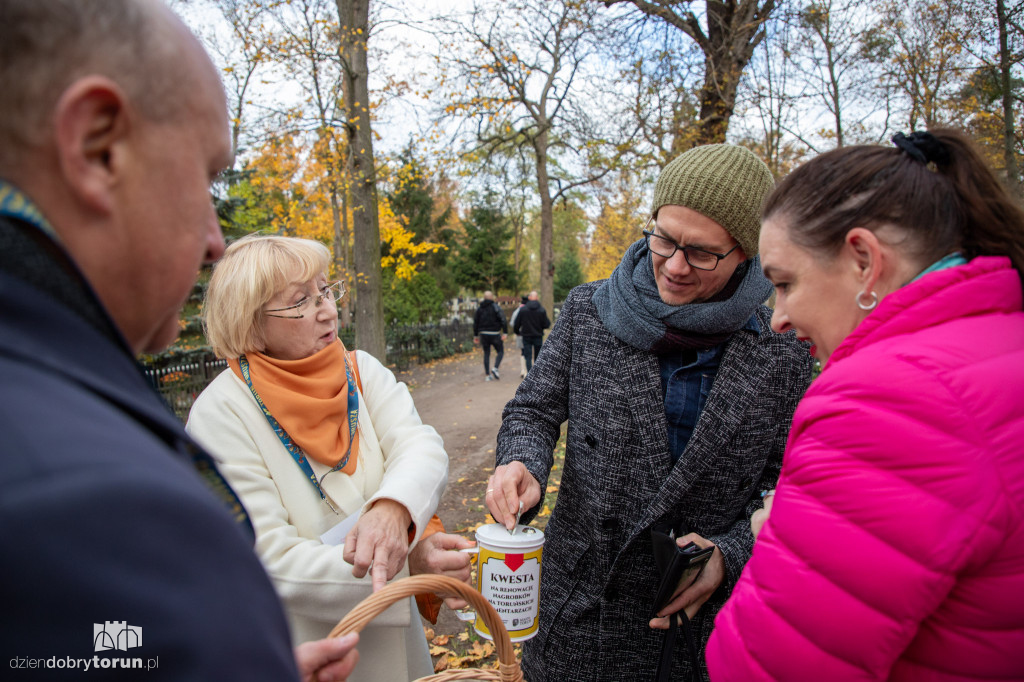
[325,449]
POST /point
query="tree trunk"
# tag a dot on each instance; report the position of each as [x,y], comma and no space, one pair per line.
[734,29]
[547,222]
[369,308]
[1005,60]
[340,252]
[346,312]
[717,101]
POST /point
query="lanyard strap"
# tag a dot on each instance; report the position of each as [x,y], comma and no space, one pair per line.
[294,450]
[14,204]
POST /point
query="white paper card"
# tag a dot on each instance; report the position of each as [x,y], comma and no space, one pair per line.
[336,535]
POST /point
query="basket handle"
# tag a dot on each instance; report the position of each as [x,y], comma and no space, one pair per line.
[366,610]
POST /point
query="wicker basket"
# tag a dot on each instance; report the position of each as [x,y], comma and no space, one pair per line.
[508,667]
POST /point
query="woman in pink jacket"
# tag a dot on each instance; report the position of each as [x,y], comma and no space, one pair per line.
[895,547]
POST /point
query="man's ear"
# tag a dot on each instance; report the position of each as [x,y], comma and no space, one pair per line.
[92,124]
[865,253]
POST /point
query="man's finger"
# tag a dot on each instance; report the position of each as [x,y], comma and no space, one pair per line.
[327,659]
[449,541]
[659,623]
[496,498]
[510,494]
[341,670]
[677,604]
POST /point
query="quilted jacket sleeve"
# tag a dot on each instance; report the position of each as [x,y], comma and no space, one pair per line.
[878,510]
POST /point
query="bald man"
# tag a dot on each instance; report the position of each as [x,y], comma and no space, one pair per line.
[122,546]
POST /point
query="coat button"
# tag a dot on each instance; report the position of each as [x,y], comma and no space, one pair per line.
[610,524]
[745,483]
[590,441]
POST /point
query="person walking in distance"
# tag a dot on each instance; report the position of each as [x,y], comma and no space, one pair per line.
[530,325]
[490,329]
[519,338]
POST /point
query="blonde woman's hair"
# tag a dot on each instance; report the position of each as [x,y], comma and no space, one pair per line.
[253,270]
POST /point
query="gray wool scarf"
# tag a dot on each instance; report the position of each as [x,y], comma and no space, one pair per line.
[630,307]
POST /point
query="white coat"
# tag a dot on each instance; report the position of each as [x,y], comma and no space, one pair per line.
[400,459]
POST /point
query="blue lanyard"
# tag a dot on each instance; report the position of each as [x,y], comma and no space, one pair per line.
[296,452]
[14,204]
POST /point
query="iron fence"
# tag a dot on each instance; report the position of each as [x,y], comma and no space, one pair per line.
[180,383]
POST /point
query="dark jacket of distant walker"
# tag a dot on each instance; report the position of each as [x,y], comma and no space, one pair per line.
[598,577]
[532,320]
[103,516]
[489,318]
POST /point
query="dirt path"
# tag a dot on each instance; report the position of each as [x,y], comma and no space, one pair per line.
[453,397]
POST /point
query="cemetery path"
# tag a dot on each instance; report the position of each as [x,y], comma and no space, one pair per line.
[452,395]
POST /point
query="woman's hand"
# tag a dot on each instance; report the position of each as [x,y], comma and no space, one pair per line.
[509,485]
[327,660]
[380,538]
[693,597]
[438,554]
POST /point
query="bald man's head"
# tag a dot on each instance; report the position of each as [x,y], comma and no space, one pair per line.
[45,45]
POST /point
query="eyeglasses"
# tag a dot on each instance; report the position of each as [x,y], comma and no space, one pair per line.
[700,259]
[331,292]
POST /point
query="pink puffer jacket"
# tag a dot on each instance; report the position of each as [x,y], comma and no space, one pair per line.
[895,547]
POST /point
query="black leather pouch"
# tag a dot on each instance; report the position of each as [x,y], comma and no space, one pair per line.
[679,567]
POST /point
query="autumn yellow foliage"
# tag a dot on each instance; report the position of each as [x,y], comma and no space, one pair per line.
[403,251]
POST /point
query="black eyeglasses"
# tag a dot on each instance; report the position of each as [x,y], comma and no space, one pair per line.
[330,292]
[700,259]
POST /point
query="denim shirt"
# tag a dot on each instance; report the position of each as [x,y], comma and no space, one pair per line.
[686,379]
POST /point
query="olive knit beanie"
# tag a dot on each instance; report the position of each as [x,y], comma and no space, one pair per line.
[723,182]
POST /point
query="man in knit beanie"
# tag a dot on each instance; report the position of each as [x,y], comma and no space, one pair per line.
[678,398]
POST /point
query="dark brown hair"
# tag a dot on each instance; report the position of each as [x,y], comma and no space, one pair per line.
[951,201]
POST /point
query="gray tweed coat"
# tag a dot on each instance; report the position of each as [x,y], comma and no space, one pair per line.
[597,576]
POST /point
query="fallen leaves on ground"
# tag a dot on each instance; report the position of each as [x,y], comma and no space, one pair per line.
[468,654]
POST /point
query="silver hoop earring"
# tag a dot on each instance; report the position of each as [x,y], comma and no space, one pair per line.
[870,305]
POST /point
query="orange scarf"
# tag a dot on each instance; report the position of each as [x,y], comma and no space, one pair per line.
[309,399]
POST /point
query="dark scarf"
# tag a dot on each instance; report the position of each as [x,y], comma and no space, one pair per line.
[29,254]
[630,307]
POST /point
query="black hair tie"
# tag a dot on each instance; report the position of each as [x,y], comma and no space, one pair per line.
[923,147]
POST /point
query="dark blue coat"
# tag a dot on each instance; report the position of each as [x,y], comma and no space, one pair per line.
[104,517]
